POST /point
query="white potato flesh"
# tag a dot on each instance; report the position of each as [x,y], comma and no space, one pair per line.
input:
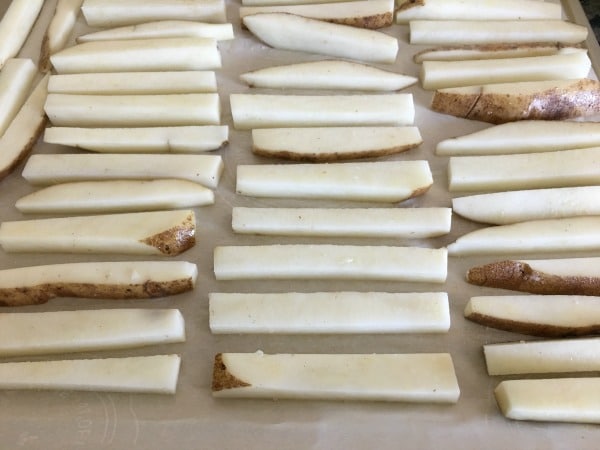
[329,312]
[502,208]
[115,196]
[490,51]
[16,79]
[560,235]
[59,30]
[112,13]
[425,377]
[88,330]
[550,400]
[137,374]
[275,111]
[525,136]
[163,29]
[464,32]
[359,222]
[82,110]
[290,32]
[331,262]
[16,23]
[444,74]
[565,168]
[555,356]
[389,181]
[61,168]
[190,139]
[143,55]
[566,267]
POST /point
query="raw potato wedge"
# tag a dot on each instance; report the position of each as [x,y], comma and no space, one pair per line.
[163,29]
[382,377]
[61,168]
[276,111]
[135,374]
[112,13]
[80,331]
[81,110]
[323,144]
[328,74]
[16,80]
[284,2]
[343,262]
[329,312]
[550,400]
[358,13]
[569,276]
[356,222]
[489,51]
[143,55]
[106,280]
[389,181]
[190,139]
[537,315]
[59,30]
[115,196]
[557,356]
[291,32]
[561,235]
[527,100]
[16,23]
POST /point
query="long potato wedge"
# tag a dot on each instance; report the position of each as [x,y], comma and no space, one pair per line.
[489,51]
[15,26]
[16,80]
[59,30]
[166,233]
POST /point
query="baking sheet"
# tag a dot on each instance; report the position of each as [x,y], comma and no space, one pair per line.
[192,419]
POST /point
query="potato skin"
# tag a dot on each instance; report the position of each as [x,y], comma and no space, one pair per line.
[369,22]
[222,378]
[175,240]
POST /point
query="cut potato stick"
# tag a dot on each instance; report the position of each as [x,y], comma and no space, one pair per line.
[565,168]
[275,111]
[569,276]
[363,222]
[128,83]
[163,29]
[558,356]
[135,374]
[112,13]
[390,181]
[328,74]
[290,32]
[489,51]
[560,235]
[143,55]
[357,13]
[330,262]
[115,196]
[166,233]
[464,32]
[16,23]
[16,80]
[59,30]
[80,110]
[443,74]
[61,168]
[105,280]
[80,331]
[527,100]
[284,2]
[333,143]
[191,139]
[383,377]
[329,312]
[550,400]
[537,315]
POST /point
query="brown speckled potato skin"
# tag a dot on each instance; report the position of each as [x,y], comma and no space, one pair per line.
[369,22]
[222,379]
[175,240]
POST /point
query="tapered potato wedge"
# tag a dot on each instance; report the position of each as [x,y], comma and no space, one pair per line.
[142,55]
[383,377]
[390,181]
[107,280]
[115,196]
[333,143]
[16,80]
[508,102]
[329,312]
[80,331]
[135,374]
[328,74]
[570,276]
[16,23]
[60,168]
[59,30]
[191,139]
[291,32]
[148,233]
[275,111]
